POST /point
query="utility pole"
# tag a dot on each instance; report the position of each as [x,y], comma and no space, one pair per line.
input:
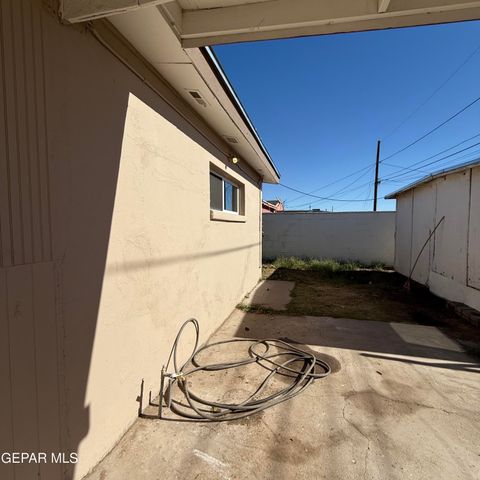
[375,193]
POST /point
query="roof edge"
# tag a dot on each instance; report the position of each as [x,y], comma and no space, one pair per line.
[432,176]
[217,69]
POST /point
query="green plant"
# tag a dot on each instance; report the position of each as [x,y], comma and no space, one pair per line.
[325,265]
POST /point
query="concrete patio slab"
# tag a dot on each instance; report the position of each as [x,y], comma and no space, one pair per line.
[274,294]
[402,403]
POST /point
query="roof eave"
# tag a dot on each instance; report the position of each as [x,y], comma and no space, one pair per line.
[428,178]
[216,67]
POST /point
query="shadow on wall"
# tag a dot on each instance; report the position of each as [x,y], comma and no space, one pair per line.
[88,93]
[158,262]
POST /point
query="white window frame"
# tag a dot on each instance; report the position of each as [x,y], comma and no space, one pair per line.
[221,177]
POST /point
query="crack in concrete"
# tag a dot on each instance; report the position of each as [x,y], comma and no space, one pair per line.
[412,403]
[364,435]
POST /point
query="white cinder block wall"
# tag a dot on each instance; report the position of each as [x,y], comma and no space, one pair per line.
[362,236]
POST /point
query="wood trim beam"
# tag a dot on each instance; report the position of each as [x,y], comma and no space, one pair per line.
[75,11]
[278,19]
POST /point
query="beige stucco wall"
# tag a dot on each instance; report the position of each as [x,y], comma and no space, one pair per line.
[124,252]
[450,263]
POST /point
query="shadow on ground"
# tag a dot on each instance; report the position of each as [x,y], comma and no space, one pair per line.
[403,339]
[377,295]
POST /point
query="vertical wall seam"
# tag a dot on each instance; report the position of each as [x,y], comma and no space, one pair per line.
[411,230]
[45,132]
[59,349]
[435,222]
[2,253]
[63,431]
[37,139]
[15,98]
[27,127]
[7,306]
[467,282]
[7,147]
[432,240]
[35,363]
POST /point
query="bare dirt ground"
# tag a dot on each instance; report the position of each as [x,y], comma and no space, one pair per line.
[377,295]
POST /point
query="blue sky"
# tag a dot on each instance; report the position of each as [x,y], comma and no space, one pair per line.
[320,104]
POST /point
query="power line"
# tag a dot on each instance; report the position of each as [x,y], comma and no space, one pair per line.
[321,198]
[469,57]
[432,156]
[315,202]
[366,169]
[368,193]
[331,183]
[417,176]
[435,161]
[346,187]
[433,129]
[408,169]
[338,192]
[448,164]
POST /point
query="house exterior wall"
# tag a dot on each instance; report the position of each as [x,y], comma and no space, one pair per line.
[449,265]
[363,236]
[107,245]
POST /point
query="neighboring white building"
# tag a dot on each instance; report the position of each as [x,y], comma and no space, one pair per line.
[450,263]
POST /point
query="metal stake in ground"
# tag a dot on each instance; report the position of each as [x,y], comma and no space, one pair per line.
[407,283]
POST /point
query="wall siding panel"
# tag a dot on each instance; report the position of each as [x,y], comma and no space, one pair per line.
[6,414]
[403,233]
[450,264]
[474,232]
[450,257]
[29,409]
[23,362]
[423,216]
[24,208]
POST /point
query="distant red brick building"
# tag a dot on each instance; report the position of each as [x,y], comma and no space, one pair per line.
[272,206]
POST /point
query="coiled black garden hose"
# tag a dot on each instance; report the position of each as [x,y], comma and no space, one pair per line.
[202,410]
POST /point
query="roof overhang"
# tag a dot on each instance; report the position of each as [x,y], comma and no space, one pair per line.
[147,28]
[441,173]
[209,22]
[169,34]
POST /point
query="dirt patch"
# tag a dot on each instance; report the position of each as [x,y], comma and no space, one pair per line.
[372,295]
